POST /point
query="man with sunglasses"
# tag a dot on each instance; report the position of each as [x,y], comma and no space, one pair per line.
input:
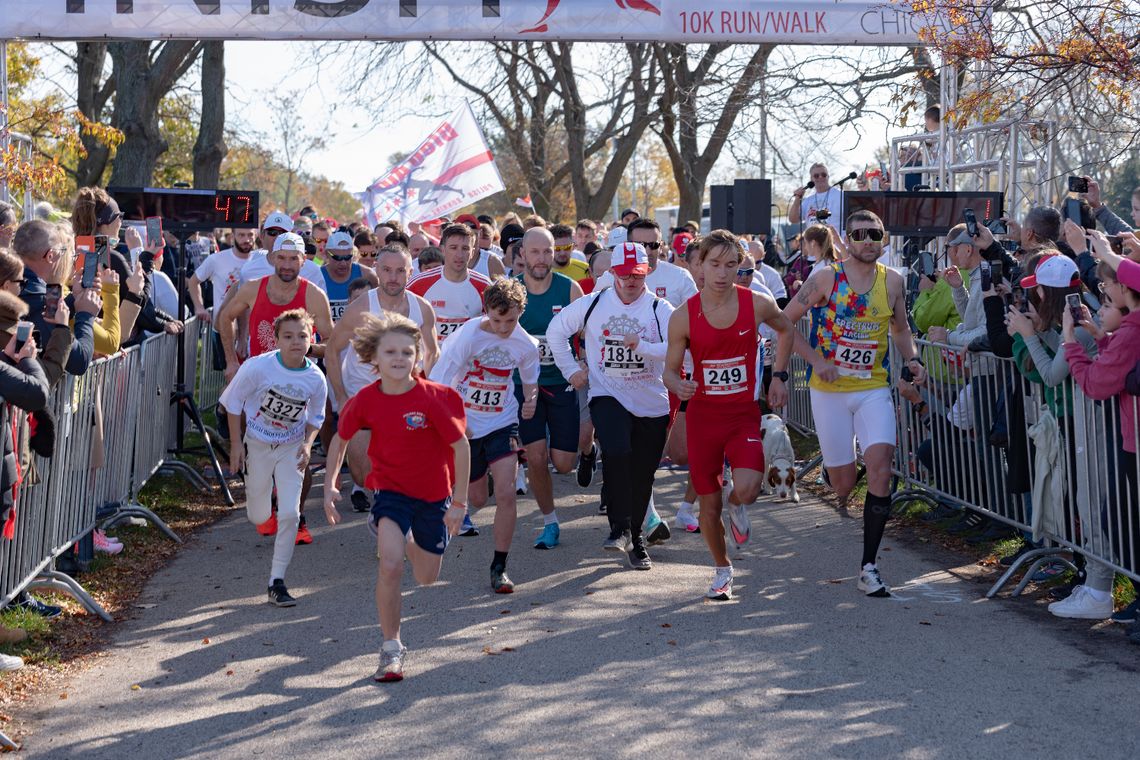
[341,269]
[826,199]
[564,260]
[863,304]
[260,262]
[366,247]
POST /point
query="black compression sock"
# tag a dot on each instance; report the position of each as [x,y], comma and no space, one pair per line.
[876,511]
[301,521]
[500,560]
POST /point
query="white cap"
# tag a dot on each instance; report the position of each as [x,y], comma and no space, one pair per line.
[278,220]
[617,237]
[289,242]
[339,241]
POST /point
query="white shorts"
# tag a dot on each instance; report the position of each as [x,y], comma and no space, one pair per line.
[843,418]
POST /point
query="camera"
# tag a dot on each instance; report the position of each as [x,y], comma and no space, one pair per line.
[1078,185]
[822,215]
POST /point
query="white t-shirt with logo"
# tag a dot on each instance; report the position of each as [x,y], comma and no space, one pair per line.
[667,281]
[832,200]
[480,365]
[631,376]
[258,266]
[223,270]
[453,302]
[279,402]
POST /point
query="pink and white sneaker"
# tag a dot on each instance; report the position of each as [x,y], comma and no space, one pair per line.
[106,544]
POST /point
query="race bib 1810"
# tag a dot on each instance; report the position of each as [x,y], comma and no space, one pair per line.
[619,360]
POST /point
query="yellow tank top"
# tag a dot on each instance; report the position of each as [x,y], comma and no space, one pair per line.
[851,332]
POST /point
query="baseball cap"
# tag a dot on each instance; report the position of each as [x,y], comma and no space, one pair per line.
[279,220]
[629,211]
[629,258]
[289,242]
[469,219]
[432,223]
[1053,271]
[617,237]
[963,236]
[510,234]
[680,242]
[339,241]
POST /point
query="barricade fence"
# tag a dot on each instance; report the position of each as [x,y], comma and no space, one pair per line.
[113,432]
[993,437]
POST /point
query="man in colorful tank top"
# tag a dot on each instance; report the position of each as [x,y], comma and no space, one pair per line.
[858,305]
[719,326]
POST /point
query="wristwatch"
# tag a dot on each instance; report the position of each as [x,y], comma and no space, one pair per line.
[782,375]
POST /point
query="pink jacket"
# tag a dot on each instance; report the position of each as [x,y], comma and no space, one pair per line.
[1103,377]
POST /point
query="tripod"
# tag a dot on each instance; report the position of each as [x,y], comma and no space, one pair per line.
[184,397]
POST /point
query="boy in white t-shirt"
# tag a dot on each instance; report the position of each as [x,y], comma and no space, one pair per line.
[283,395]
[478,360]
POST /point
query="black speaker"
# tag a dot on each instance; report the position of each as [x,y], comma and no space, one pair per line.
[752,206]
[720,207]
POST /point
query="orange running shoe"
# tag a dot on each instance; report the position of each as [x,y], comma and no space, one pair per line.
[269,527]
[303,535]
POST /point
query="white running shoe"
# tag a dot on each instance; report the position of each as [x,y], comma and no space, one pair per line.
[10,662]
[740,523]
[871,584]
[686,520]
[391,668]
[1081,604]
[721,587]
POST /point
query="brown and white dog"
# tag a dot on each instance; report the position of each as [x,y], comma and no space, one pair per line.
[779,458]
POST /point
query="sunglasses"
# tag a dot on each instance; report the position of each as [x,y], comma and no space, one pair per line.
[560,248]
[875,236]
[744,272]
[651,246]
[629,277]
[819,176]
[345,257]
[19,282]
[274,231]
[371,255]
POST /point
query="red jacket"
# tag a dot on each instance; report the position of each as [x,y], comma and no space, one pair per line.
[1103,377]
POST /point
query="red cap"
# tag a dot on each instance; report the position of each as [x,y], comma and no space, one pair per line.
[469,219]
[680,242]
[628,259]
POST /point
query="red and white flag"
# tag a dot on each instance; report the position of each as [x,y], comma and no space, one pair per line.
[525,202]
[451,169]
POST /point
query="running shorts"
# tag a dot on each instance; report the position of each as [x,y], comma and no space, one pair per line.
[556,412]
[841,418]
[423,518]
[713,437]
[491,448]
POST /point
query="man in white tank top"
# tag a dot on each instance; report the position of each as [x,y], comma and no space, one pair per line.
[347,374]
[487,263]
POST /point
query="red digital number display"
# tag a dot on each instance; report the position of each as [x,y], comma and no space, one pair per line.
[224,209]
[235,209]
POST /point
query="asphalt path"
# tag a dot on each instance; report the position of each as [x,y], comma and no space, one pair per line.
[590,658]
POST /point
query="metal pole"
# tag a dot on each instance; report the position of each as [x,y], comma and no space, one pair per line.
[4,110]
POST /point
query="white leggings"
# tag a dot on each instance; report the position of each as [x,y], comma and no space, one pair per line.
[265,464]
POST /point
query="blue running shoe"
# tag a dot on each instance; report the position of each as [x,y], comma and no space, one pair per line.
[548,539]
[469,528]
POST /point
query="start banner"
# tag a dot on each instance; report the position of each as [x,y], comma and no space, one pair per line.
[451,169]
[794,22]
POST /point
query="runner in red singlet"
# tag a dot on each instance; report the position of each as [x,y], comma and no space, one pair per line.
[719,326]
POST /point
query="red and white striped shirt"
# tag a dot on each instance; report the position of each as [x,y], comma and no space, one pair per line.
[453,302]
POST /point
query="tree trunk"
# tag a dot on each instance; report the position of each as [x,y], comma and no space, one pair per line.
[92,94]
[143,77]
[210,147]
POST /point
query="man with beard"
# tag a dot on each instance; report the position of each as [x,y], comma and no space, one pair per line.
[266,299]
[349,375]
[564,263]
[862,302]
[556,415]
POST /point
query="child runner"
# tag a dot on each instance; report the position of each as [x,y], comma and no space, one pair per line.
[283,396]
[420,464]
[478,360]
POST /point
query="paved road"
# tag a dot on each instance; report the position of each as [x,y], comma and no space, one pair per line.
[589,658]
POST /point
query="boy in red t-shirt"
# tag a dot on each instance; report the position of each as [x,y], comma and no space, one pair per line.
[420,467]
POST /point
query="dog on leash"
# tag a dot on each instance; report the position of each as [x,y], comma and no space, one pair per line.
[780,459]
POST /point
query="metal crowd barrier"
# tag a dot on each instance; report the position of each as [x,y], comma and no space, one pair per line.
[976,448]
[112,434]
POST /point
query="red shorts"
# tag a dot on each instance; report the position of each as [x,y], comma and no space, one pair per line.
[714,436]
[674,406]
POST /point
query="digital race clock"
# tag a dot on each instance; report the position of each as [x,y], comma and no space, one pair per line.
[187,210]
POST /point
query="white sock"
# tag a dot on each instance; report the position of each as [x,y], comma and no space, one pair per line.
[550,519]
[391,645]
[1097,594]
[727,570]
[356,488]
[686,508]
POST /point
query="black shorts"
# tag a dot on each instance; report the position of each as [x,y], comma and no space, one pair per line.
[491,448]
[423,518]
[557,412]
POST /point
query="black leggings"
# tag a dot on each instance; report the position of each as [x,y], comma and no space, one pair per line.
[631,451]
